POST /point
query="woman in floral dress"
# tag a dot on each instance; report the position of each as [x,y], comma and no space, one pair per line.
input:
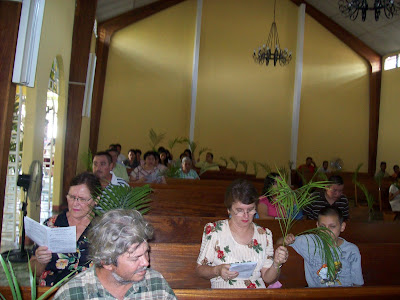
[53,267]
[239,240]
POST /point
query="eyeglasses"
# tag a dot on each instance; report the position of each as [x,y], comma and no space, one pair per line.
[240,212]
[80,200]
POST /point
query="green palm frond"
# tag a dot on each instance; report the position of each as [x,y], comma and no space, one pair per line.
[368,196]
[325,247]
[290,202]
[155,139]
[265,167]
[244,164]
[9,278]
[87,159]
[172,143]
[202,150]
[284,172]
[172,171]
[225,161]
[378,178]
[204,168]
[355,175]
[126,197]
[191,144]
[234,161]
[255,167]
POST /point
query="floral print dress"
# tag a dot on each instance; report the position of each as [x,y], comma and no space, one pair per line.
[219,247]
[62,264]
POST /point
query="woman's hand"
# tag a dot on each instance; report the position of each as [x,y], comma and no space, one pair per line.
[223,271]
[43,255]
[280,257]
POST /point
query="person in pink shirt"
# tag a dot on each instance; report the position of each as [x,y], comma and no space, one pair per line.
[266,210]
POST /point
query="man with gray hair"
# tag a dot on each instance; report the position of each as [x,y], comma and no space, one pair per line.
[120,253]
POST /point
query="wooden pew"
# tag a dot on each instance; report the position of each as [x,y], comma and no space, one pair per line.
[370,292]
[189,230]
[380,264]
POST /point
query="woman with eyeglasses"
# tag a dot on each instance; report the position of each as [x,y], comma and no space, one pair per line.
[53,267]
[239,240]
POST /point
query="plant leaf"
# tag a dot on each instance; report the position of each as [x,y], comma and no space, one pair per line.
[234,161]
[244,164]
[8,276]
[14,278]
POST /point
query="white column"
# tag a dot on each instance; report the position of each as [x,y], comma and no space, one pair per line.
[297,84]
[195,69]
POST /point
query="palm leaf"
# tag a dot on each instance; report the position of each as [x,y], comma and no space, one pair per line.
[234,161]
[225,161]
[155,139]
[368,196]
[191,144]
[172,171]
[14,279]
[265,167]
[255,167]
[172,143]
[9,278]
[289,202]
[207,167]
[126,197]
[50,290]
[32,280]
[202,150]
[355,175]
[244,164]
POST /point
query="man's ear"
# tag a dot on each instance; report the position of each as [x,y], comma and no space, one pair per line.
[109,267]
[343,227]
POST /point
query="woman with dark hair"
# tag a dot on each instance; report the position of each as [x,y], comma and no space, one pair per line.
[163,158]
[131,161]
[266,210]
[149,172]
[238,240]
[52,267]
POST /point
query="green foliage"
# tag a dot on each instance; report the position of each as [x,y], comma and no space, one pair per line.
[355,175]
[244,164]
[126,197]
[191,144]
[255,167]
[234,161]
[265,167]
[202,150]
[155,139]
[208,167]
[289,202]
[225,161]
[14,286]
[368,196]
[87,159]
[172,143]
[172,171]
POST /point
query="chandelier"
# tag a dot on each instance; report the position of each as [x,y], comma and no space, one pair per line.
[271,50]
[351,8]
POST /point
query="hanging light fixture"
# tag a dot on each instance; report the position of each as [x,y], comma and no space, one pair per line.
[272,50]
[351,8]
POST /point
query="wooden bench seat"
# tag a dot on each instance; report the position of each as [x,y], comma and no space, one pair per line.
[189,230]
[177,263]
[370,292]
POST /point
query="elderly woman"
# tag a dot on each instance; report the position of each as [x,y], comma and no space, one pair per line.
[239,240]
[186,171]
[149,172]
[52,267]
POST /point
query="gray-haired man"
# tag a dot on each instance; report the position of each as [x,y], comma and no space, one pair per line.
[120,253]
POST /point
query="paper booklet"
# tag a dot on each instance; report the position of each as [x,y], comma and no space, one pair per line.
[245,269]
[58,240]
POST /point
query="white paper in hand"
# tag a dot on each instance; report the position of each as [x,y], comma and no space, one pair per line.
[245,269]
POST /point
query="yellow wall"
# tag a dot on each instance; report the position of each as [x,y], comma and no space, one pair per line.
[56,38]
[388,144]
[148,79]
[244,109]
[334,114]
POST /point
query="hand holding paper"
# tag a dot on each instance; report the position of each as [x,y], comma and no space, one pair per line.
[245,269]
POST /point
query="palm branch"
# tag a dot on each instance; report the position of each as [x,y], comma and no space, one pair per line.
[265,167]
[355,175]
[87,159]
[234,161]
[192,145]
[155,139]
[225,161]
[244,164]
[255,167]
[172,143]
[290,202]
[368,196]
[121,196]
[202,150]
[172,171]
[207,167]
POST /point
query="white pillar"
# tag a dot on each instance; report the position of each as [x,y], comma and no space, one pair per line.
[195,69]
[297,84]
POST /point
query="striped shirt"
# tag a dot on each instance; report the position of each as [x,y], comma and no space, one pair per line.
[312,210]
[87,285]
